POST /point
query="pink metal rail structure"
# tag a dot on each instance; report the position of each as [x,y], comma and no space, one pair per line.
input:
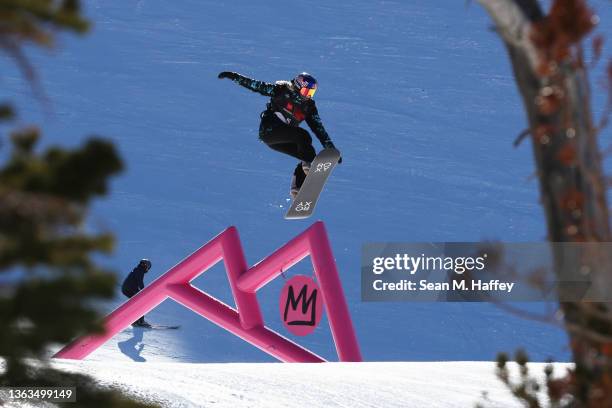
[246,322]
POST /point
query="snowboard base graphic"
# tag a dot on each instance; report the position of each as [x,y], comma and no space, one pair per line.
[306,200]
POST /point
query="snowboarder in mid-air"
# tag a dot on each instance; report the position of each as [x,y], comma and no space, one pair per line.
[134,283]
[290,103]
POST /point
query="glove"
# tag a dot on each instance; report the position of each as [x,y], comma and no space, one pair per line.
[227,74]
[330,145]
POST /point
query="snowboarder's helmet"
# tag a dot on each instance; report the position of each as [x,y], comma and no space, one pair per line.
[145,263]
[305,84]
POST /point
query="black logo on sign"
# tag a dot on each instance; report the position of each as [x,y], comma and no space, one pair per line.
[310,303]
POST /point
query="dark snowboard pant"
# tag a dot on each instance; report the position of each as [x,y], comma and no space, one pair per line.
[129,296]
[295,142]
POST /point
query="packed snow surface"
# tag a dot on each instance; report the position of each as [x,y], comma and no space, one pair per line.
[354,385]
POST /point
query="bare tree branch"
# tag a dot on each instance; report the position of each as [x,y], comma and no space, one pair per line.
[513,21]
[521,136]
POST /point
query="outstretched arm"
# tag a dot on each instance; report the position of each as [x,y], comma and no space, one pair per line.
[260,87]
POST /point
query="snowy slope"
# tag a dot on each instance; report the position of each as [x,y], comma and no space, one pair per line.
[389,385]
[418,96]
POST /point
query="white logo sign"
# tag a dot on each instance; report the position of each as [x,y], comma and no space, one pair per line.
[323,167]
[303,206]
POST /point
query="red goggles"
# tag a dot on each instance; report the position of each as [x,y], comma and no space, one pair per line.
[308,92]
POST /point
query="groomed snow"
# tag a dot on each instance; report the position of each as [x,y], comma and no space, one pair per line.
[354,385]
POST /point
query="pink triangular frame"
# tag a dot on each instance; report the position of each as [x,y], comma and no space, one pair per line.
[246,322]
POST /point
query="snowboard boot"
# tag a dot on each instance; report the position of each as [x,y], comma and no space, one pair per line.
[305,168]
[294,188]
[141,323]
[299,175]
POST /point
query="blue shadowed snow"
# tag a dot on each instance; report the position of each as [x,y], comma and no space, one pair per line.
[418,96]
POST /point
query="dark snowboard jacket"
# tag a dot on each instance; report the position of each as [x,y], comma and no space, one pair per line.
[134,282]
[286,107]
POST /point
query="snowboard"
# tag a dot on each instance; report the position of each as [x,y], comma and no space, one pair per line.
[158,327]
[306,200]
[163,327]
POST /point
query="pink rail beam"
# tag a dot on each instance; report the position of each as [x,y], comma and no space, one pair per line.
[224,246]
[246,322]
[227,318]
[313,242]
